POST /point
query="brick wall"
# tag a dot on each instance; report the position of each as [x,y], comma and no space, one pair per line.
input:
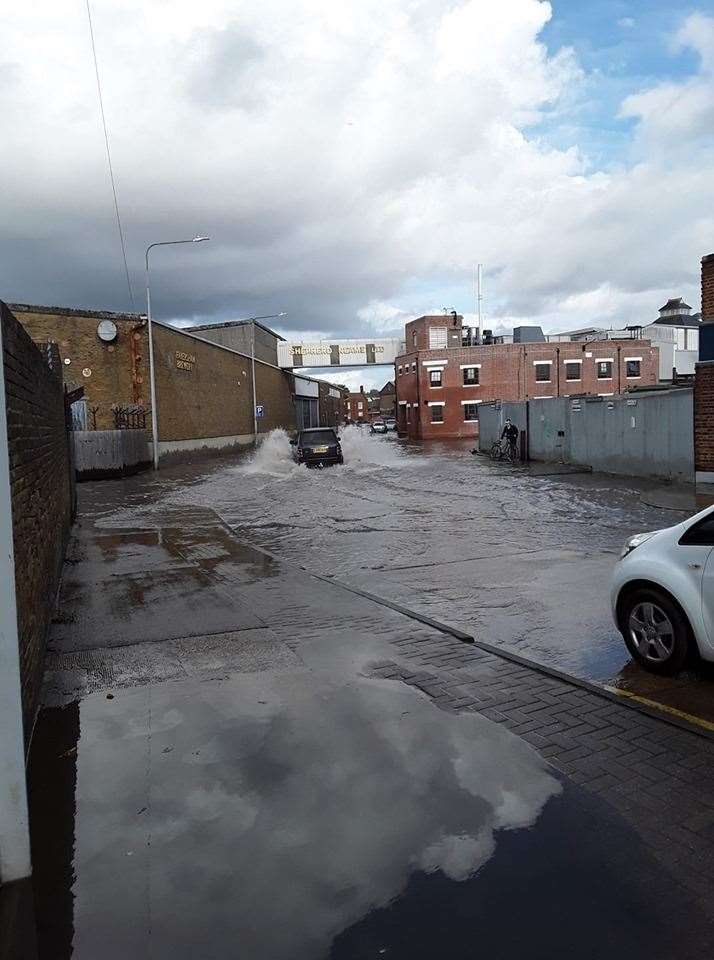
[40,490]
[508,372]
[111,373]
[708,288]
[203,400]
[704,380]
[204,391]
[704,419]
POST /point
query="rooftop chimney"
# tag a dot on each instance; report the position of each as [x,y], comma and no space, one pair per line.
[708,288]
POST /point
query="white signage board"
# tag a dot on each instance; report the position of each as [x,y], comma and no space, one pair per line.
[339,353]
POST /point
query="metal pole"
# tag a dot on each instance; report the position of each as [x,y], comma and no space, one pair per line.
[152,377]
[252,376]
[478,303]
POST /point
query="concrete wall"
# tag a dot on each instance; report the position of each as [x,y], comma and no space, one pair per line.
[109,453]
[41,492]
[645,434]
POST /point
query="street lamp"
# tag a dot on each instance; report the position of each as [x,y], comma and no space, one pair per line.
[271,316]
[152,377]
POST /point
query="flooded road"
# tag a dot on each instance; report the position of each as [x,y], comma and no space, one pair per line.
[237,759]
[522,561]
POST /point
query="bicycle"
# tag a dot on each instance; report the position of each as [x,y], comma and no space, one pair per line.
[504,450]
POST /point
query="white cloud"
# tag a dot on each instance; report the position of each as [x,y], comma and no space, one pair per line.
[351,161]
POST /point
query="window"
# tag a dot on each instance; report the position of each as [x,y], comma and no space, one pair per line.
[407,413]
[470,412]
[542,372]
[399,371]
[311,437]
[414,339]
[572,370]
[633,368]
[435,378]
[681,338]
[414,367]
[437,338]
[471,376]
[604,369]
[360,405]
[701,534]
[692,339]
[437,413]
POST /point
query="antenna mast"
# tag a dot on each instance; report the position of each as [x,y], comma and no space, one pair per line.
[479,298]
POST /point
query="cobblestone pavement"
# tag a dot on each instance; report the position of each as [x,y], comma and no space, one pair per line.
[659,777]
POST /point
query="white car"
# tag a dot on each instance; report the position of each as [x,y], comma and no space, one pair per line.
[663,594]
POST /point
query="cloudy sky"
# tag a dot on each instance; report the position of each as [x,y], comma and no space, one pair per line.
[352,160]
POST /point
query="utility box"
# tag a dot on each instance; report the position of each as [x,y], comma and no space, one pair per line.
[528,335]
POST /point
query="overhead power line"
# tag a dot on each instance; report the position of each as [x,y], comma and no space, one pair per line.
[109,158]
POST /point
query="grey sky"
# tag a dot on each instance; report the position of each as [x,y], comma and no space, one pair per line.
[352,162]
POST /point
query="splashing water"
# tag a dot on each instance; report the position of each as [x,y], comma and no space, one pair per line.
[273,456]
[362,451]
[365,451]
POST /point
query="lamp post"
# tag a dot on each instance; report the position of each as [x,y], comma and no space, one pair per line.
[152,377]
[271,316]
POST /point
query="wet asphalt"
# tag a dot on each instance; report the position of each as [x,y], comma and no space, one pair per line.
[217,773]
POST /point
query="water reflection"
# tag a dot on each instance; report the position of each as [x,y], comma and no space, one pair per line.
[275,812]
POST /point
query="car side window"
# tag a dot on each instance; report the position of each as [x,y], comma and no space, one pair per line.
[701,534]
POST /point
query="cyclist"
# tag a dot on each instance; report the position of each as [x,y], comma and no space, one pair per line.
[510,434]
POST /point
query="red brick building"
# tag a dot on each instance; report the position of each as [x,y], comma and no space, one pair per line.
[440,383]
[356,406]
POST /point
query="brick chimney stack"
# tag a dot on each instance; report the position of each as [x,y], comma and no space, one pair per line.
[706,334]
[708,288]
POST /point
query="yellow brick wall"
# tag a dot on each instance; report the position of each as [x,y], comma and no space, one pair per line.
[110,365]
[211,394]
[211,397]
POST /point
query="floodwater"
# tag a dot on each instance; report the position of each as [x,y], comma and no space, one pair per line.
[300,816]
[219,771]
[522,561]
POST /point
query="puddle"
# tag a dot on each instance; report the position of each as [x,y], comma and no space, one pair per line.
[294,817]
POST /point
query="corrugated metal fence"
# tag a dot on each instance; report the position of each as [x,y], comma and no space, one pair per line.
[647,435]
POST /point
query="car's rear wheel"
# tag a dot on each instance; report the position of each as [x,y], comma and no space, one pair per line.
[656,630]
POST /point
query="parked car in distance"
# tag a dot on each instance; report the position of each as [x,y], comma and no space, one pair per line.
[317,447]
[378,426]
[662,594]
[390,423]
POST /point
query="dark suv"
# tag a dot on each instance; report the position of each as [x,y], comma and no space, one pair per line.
[317,447]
